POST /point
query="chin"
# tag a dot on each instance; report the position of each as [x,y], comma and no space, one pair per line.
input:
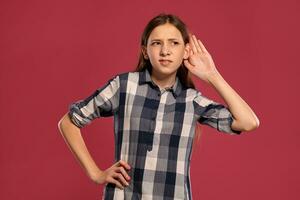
[167,70]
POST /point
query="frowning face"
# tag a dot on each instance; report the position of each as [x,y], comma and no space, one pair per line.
[165,49]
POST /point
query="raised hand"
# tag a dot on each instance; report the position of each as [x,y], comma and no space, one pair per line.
[199,62]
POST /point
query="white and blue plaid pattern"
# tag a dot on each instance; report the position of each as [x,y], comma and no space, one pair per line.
[154,131]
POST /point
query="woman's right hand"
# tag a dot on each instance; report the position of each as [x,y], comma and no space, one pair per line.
[116,174]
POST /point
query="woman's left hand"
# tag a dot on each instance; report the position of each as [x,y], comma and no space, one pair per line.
[199,62]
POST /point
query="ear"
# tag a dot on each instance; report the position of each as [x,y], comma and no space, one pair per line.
[144,51]
[186,51]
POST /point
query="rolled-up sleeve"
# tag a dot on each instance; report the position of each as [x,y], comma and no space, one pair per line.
[103,102]
[214,114]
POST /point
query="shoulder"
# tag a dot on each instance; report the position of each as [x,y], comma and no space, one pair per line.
[196,96]
[191,93]
[128,75]
[123,79]
[202,100]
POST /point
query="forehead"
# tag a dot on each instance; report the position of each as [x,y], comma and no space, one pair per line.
[165,31]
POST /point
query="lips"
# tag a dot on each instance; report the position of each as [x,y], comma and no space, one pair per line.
[164,61]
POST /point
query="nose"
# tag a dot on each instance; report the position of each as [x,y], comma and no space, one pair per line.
[165,50]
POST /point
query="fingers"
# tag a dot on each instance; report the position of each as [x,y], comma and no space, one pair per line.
[119,174]
[197,45]
[116,182]
[193,45]
[121,178]
[202,46]
[124,164]
[198,48]
[124,173]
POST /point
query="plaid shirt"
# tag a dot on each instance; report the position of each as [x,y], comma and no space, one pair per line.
[153,132]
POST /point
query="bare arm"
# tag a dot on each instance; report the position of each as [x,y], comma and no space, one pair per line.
[73,138]
[244,117]
[115,174]
[201,64]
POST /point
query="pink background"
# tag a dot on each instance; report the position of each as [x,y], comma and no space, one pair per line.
[53,53]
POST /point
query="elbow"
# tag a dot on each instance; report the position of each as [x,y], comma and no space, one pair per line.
[65,124]
[254,124]
[61,123]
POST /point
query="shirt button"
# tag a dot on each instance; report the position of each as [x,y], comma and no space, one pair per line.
[149,147]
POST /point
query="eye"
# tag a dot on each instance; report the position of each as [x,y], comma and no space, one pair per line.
[154,43]
[176,43]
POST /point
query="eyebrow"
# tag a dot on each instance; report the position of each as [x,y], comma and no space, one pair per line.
[170,39]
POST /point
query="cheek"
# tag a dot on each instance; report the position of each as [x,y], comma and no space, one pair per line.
[180,54]
[153,53]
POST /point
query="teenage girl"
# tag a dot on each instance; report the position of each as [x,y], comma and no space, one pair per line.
[156,109]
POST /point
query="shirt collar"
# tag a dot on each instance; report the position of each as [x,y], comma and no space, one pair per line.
[145,77]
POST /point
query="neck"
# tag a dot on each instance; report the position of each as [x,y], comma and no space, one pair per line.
[163,81]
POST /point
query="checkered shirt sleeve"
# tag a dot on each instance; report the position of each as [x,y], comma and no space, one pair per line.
[103,102]
[214,114]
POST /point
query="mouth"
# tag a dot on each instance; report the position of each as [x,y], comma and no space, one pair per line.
[164,61]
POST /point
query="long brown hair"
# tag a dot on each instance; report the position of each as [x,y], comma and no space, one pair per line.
[183,73]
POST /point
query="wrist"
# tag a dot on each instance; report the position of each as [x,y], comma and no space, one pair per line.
[214,77]
[95,173]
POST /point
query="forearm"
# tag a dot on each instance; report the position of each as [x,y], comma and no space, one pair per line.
[73,138]
[244,117]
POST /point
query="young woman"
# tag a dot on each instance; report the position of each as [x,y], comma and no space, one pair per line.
[156,109]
